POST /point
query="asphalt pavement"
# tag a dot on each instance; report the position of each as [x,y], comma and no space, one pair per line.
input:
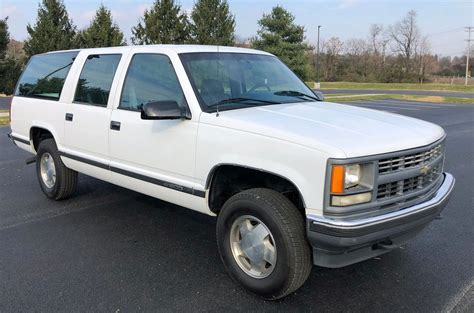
[110,249]
[401,92]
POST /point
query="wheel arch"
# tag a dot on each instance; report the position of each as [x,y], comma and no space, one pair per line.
[260,178]
[39,133]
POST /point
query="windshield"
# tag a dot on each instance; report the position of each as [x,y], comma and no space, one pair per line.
[237,80]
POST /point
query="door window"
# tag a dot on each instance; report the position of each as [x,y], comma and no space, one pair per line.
[150,78]
[96,79]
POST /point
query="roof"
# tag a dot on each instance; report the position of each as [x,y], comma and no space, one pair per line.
[176,48]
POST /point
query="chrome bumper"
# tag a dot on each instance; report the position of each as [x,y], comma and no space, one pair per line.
[338,242]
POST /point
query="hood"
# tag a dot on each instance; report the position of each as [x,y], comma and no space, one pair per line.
[337,129]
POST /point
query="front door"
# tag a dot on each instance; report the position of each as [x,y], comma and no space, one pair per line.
[151,156]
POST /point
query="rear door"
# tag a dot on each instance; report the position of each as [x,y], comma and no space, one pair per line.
[87,117]
[40,95]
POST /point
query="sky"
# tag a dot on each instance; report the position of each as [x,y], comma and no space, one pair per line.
[442,20]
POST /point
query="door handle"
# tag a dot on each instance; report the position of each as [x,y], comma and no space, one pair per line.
[69,117]
[114,125]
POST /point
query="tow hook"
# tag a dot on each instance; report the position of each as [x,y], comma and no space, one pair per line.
[30,160]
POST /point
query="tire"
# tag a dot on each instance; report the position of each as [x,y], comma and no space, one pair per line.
[292,264]
[65,179]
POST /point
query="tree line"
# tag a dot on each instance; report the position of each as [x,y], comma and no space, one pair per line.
[394,53]
[390,53]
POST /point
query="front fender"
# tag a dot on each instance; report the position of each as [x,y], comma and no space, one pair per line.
[302,166]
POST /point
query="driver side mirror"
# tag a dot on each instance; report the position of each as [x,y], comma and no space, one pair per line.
[163,110]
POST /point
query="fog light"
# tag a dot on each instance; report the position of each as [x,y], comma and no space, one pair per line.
[351,199]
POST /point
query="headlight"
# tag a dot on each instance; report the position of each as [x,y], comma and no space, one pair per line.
[351,183]
[352,175]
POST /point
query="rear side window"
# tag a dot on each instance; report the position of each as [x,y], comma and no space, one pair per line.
[96,79]
[44,75]
[150,78]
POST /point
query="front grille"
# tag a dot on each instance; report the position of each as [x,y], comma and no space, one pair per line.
[399,163]
[409,175]
[408,185]
[402,179]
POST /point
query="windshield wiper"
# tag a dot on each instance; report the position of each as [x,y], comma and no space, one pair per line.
[294,93]
[242,99]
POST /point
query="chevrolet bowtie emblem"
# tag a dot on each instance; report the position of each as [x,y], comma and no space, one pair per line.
[425,170]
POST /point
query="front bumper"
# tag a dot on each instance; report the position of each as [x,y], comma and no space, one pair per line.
[338,242]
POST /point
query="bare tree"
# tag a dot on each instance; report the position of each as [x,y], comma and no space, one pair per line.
[385,41]
[406,36]
[426,61]
[375,37]
[359,59]
[332,48]
[356,47]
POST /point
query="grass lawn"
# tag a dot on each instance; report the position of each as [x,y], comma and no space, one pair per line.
[347,98]
[4,120]
[397,86]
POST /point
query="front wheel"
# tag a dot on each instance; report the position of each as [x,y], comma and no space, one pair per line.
[262,243]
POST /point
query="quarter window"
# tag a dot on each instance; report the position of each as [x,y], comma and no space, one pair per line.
[96,79]
[150,78]
[44,75]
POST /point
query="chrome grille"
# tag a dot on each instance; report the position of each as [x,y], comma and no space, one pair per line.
[411,184]
[398,163]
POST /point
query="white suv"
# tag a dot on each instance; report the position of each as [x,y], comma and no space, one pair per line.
[231,132]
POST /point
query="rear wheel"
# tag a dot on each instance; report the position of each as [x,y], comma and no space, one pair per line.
[56,180]
[262,243]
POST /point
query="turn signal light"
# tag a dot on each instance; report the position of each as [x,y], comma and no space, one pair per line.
[337,179]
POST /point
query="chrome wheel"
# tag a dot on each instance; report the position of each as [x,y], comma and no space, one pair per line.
[48,170]
[253,246]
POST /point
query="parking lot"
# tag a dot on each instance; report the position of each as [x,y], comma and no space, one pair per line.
[109,249]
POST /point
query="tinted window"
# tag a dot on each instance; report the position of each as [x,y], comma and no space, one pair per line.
[44,75]
[96,79]
[150,78]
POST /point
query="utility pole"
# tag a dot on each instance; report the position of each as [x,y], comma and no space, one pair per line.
[468,29]
[317,60]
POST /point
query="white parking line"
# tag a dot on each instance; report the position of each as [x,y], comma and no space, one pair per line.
[460,297]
